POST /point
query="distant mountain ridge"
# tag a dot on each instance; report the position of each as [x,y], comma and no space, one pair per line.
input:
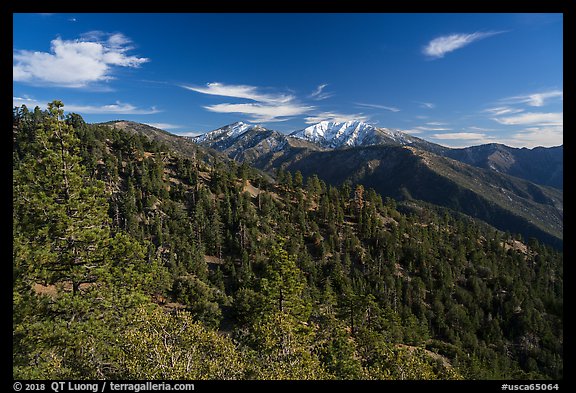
[338,135]
[419,170]
[541,165]
[228,132]
[349,134]
[408,173]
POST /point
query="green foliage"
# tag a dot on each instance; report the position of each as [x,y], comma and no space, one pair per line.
[282,349]
[112,230]
[158,345]
[201,299]
[62,213]
[283,285]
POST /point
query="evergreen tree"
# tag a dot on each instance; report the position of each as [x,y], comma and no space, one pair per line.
[63,213]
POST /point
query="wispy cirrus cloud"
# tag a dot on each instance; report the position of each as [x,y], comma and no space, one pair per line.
[463,139]
[377,106]
[115,108]
[474,128]
[335,117]
[266,108]
[433,126]
[75,63]
[460,136]
[320,94]
[503,110]
[272,107]
[190,133]
[118,108]
[533,118]
[535,99]
[527,128]
[240,91]
[424,128]
[530,137]
[412,131]
[164,126]
[260,112]
[29,102]
[440,46]
[427,105]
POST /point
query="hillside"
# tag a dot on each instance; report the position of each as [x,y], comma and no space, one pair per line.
[293,279]
[179,144]
[406,173]
[540,165]
[403,167]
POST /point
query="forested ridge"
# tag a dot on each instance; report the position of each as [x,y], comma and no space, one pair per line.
[133,261]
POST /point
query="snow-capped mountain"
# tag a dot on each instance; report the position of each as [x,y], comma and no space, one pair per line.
[351,133]
[243,142]
[235,138]
[231,131]
[474,180]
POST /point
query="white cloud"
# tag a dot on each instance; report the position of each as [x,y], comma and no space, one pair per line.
[427,105]
[435,128]
[318,94]
[261,113]
[463,139]
[542,128]
[536,99]
[460,136]
[537,136]
[335,117]
[412,131]
[530,118]
[29,102]
[75,63]
[164,126]
[267,108]
[116,108]
[240,91]
[189,133]
[438,47]
[319,89]
[474,128]
[388,108]
[503,110]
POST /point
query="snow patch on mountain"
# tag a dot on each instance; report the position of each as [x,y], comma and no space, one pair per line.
[351,133]
[231,131]
[326,134]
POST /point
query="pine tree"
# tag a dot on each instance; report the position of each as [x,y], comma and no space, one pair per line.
[62,238]
[281,335]
[62,212]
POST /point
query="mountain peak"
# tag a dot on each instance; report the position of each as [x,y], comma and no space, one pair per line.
[333,134]
[228,133]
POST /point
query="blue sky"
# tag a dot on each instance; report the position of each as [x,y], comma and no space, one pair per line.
[453,79]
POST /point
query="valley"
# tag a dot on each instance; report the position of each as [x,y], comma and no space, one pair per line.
[404,167]
[283,274]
